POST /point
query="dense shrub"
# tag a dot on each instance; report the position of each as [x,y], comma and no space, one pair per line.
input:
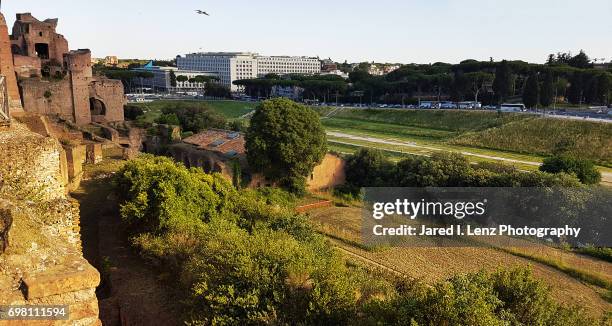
[267,277]
[192,118]
[157,195]
[131,112]
[168,119]
[506,297]
[441,170]
[585,170]
[240,257]
[368,168]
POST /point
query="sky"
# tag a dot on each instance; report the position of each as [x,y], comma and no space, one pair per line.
[399,31]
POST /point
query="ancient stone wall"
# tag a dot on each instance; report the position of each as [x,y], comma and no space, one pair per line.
[6,67]
[41,260]
[110,93]
[209,161]
[26,67]
[48,97]
[328,174]
[28,32]
[80,74]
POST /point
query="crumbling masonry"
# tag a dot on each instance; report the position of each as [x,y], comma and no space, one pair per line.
[53,80]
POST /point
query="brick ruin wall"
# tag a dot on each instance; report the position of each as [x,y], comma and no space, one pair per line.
[7,69]
[111,93]
[68,97]
[41,260]
[328,174]
[48,97]
[39,32]
[26,67]
[61,96]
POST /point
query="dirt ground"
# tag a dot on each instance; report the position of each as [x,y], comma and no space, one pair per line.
[434,264]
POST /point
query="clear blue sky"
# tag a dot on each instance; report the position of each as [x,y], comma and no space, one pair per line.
[421,31]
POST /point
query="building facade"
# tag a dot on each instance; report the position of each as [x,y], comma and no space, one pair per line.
[232,66]
[162,79]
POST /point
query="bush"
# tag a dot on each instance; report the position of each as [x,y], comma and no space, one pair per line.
[597,252]
[245,258]
[506,297]
[131,112]
[157,195]
[194,118]
[441,170]
[585,170]
[368,168]
[168,119]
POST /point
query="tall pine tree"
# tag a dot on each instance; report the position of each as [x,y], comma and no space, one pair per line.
[503,81]
[531,93]
[547,92]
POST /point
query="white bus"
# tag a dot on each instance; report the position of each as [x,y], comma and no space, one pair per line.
[506,107]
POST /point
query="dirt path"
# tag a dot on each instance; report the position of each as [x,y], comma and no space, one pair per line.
[130,293]
[606,177]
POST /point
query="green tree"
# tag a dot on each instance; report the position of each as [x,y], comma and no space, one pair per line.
[531,93]
[604,87]
[502,85]
[172,78]
[478,80]
[585,170]
[218,90]
[581,60]
[168,119]
[368,168]
[182,78]
[285,141]
[193,118]
[547,92]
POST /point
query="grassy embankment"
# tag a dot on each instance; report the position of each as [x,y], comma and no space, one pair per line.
[507,136]
[230,109]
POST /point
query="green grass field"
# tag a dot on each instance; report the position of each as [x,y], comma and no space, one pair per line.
[508,136]
[441,120]
[229,109]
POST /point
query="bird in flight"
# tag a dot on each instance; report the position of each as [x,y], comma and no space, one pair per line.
[200,12]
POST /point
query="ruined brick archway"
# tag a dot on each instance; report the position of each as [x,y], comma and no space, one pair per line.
[97,107]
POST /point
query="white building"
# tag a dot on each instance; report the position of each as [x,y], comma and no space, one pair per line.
[287,65]
[162,80]
[231,66]
[336,72]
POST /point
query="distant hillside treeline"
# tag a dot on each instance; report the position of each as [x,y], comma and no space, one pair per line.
[569,78]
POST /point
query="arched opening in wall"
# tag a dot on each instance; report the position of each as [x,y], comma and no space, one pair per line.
[15,49]
[42,50]
[96,107]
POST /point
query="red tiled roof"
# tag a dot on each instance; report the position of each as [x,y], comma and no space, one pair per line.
[223,140]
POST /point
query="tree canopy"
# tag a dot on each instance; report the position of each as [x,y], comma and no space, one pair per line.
[285,141]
